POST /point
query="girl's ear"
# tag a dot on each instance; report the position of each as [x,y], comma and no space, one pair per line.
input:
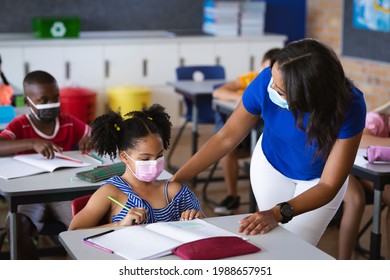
[122,156]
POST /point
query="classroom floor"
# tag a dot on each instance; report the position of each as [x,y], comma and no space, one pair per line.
[216,192]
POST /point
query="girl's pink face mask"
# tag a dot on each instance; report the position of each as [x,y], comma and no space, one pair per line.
[147,170]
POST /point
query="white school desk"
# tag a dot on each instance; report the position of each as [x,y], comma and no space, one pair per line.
[379,174]
[60,185]
[278,244]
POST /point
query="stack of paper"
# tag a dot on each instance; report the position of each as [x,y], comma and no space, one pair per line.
[252,18]
[221,18]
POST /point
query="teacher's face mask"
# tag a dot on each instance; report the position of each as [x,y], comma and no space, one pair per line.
[275,97]
[46,112]
[147,170]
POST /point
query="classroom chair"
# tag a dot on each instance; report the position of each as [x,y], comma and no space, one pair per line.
[79,203]
[206,113]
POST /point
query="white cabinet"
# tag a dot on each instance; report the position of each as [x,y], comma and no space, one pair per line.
[233,56]
[100,63]
[201,53]
[47,58]
[122,65]
[158,63]
[256,52]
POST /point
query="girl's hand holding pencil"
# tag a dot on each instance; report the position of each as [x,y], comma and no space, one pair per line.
[134,215]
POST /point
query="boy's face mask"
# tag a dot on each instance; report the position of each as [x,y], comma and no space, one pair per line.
[46,112]
[147,170]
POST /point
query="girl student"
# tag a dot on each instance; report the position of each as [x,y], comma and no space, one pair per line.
[139,140]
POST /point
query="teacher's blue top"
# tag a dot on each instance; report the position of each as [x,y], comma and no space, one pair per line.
[283,143]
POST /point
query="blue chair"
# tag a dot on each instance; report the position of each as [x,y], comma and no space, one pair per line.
[206,112]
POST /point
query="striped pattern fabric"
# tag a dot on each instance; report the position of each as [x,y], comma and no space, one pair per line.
[185,199]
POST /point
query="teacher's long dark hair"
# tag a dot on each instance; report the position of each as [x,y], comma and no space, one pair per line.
[315,83]
[111,132]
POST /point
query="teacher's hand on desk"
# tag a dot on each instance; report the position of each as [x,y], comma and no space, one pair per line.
[259,222]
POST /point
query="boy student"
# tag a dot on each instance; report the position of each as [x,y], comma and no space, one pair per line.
[46,131]
[233,91]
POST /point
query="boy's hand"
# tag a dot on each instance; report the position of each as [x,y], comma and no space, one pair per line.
[85,144]
[45,148]
[190,215]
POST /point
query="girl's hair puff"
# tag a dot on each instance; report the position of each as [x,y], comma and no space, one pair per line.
[111,132]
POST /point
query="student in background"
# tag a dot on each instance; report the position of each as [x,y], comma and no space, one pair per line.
[46,131]
[233,91]
[139,140]
[313,121]
[376,133]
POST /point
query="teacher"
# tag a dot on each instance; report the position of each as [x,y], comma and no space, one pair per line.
[313,121]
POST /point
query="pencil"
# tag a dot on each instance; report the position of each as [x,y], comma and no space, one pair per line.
[117,202]
[70,159]
[124,206]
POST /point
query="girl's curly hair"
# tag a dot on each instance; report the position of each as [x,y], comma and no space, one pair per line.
[111,132]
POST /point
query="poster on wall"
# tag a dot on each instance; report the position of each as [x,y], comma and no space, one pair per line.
[366,29]
[372,14]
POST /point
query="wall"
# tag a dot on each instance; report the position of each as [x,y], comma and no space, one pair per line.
[98,15]
[324,22]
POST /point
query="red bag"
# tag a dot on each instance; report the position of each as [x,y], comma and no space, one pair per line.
[215,248]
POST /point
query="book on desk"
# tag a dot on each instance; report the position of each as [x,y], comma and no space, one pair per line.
[194,239]
[32,164]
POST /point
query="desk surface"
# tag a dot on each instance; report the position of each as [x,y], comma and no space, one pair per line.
[205,87]
[374,168]
[277,244]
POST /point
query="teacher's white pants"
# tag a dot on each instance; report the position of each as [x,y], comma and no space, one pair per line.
[270,187]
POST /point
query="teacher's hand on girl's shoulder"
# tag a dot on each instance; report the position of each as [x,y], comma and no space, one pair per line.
[259,222]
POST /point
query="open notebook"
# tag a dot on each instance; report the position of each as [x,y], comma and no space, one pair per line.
[158,239]
[31,164]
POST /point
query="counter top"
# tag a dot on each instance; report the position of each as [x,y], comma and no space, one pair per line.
[101,37]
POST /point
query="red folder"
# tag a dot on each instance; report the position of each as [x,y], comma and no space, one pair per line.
[215,248]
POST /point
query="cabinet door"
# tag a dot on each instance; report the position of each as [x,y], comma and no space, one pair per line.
[12,66]
[122,65]
[158,63]
[257,51]
[233,56]
[49,59]
[196,54]
[84,68]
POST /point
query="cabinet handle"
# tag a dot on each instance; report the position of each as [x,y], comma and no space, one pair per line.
[218,60]
[181,61]
[26,68]
[107,68]
[145,67]
[67,70]
[252,63]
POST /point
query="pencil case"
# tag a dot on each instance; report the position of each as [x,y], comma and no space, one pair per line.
[102,172]
[215,248]
[378,153]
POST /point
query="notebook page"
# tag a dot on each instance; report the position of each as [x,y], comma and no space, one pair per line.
[187,231]
[137,243]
